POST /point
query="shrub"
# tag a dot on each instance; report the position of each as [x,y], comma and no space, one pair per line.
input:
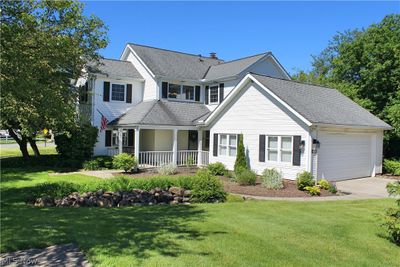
[104,161]
[167,169]
[91,165]
[77,143]
[391,166]
[313,190]
[240,162]
[272,179]
[246,177]
[207,188]
[217,168]
[332,188]
[304,179]
[392,216]
[124,161]
[324,184]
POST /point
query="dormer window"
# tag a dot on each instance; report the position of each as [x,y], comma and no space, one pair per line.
[180,91]
[174,91]
[214,94]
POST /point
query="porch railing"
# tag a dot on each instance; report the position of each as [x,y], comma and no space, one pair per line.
[158,158]
[155,158]
[204,158]
[187,157]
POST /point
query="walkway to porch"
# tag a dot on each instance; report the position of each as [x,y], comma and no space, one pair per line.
[150,139]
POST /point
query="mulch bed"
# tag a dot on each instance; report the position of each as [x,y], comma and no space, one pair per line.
[151,172]
[289,190]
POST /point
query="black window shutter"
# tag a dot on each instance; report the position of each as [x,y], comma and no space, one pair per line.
[197,93]
[129,93]
[108,137]
[106,92]
[215,145]
[86,92]
[296,150]
[164,90]
[130,137]
[261,148]
[206,95]
[221,92]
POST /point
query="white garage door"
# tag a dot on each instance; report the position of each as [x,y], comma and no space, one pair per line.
[344,156]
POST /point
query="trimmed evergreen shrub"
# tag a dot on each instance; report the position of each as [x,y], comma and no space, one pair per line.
[217,168]
[272,179]
[77,143]
[246,177]
[240,162]
[104,161]
[392,216]
[207,188]
[304,179]
[124,161]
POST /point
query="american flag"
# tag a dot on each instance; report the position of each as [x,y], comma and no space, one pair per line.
[104,122]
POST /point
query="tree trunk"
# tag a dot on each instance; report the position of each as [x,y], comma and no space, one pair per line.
[34,147]
[22,142]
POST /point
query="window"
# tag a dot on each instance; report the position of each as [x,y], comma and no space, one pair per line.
[174,90]
[272,148]
[213,94]
[183,92]
[124,138]
[118,92]
[280,148]
[227,145]
[188,92]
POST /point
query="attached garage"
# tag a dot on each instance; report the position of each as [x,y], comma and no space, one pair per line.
[345,155]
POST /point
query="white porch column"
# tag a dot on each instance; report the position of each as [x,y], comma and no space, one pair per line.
[137,143]
[175,146]
[199,147]
[120,140]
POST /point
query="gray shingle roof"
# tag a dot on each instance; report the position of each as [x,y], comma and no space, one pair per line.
[113,67]
[174,64]
[233,67]
[163,112]
[320,104]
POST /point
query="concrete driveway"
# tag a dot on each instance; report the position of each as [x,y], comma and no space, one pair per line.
[363,188]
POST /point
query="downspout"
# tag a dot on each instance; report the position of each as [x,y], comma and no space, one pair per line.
[316,157]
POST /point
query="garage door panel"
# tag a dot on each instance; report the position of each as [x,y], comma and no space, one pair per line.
[344,156]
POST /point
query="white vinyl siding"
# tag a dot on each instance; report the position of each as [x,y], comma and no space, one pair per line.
[254,113]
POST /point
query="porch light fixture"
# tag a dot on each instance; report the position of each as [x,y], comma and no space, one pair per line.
[315,145]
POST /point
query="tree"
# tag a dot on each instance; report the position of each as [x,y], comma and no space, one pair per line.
[44,46]
[241,162]
[365,66]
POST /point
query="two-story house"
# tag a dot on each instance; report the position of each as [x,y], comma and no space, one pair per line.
[171,107]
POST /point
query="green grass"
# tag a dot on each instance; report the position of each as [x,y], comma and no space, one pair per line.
[15,152]
[250,233]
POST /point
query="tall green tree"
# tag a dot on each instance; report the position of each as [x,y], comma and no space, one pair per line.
[365,65]
[44,46]
[240,162]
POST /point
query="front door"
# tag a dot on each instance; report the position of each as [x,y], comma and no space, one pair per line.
[192,142]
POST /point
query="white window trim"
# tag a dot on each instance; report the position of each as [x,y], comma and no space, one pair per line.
[114,135]
[117,101]
[279,149]
[227,146]
[181,92]
[209,95]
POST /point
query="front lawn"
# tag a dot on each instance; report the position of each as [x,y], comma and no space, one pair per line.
[250,233]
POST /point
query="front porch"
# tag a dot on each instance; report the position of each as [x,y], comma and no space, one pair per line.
[155,147]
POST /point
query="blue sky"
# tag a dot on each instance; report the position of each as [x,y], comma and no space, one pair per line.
[293,31]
